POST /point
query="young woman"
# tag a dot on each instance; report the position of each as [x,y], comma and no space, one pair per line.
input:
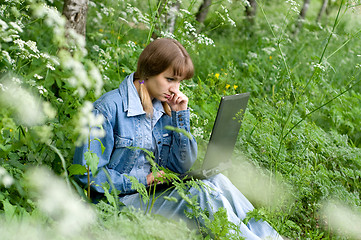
[135,116]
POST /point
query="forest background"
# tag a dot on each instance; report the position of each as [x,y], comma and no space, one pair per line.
[297,157]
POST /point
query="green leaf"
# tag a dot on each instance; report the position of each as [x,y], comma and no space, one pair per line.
[76,169]
[92,160]
[179,130]
[101,144]
[139,187]
[110,197]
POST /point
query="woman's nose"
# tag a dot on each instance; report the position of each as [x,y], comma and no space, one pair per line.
[174,87]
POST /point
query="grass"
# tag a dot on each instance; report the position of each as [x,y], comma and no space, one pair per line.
[300,128]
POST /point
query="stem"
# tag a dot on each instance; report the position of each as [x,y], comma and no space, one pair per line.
[282,137]
[62,162]
[153,200]
[88,173]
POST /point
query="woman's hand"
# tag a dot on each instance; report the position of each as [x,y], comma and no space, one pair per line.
[151,178]
[178,101]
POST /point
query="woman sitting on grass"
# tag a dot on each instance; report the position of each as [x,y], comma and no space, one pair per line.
[135,116]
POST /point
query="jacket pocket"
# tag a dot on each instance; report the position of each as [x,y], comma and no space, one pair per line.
[121,156]
[121,142]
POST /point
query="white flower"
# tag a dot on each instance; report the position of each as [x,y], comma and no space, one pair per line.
[26,107]
[37,76]
[16,26]
[20,43]
[5,179]
[96,48]
[32,46]
[7,56]
[42,90]
[252,55]
[88,121]
[3,25]
[55,199]
[48,65]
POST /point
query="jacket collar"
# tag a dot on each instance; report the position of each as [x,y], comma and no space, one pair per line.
[131,101]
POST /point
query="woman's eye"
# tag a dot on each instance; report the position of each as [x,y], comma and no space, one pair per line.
[170,79]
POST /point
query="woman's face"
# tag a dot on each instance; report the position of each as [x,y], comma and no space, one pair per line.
[163,85]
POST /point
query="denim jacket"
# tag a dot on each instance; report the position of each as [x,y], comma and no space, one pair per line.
[126,125]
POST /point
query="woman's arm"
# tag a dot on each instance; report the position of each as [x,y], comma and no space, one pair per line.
[183,151]
[120,181]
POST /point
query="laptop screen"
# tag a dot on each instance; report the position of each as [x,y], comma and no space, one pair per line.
[225,130]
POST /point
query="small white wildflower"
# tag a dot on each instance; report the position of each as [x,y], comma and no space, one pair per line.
[26,107]
[55,199]
[269,50]
[252,55]
[293,5]
[167,34]
[37,76]
[48,65]
[319,66]
[42,90]
[20,43]
[87,121]
[3,25]
[16,26]
[197,132]
[246,3]
[96,48]
[92,4]
[60,100]
[7,181]
[2,171]
[45,55]
[7,56]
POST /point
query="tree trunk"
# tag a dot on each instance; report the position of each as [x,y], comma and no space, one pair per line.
[251,11]
[76,12]
[302,16]
[203,11]
[322,10]
[171,16]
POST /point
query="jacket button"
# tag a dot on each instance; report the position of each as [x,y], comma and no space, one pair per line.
[159,142]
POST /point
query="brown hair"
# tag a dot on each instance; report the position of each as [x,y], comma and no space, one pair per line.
[156,58]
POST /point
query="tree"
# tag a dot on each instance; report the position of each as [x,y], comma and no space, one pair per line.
[203,11]
[250,11]
[76,13]
[322,10]
[302,16]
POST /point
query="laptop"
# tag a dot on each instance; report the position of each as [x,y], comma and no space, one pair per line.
[223,137]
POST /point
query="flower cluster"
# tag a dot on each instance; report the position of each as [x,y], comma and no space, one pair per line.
[58,202]
[199,38]
[89,123]
[5,178]
[293,6]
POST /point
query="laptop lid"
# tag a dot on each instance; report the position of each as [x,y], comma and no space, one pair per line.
[225,130]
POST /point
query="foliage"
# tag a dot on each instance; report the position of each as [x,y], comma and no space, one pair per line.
[301,124]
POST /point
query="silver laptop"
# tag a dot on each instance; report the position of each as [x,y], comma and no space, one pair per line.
[223,137]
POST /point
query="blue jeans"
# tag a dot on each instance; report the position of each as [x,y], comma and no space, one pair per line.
[222,194]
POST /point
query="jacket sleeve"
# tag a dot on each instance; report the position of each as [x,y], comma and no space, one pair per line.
[120,181]
[183,151]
